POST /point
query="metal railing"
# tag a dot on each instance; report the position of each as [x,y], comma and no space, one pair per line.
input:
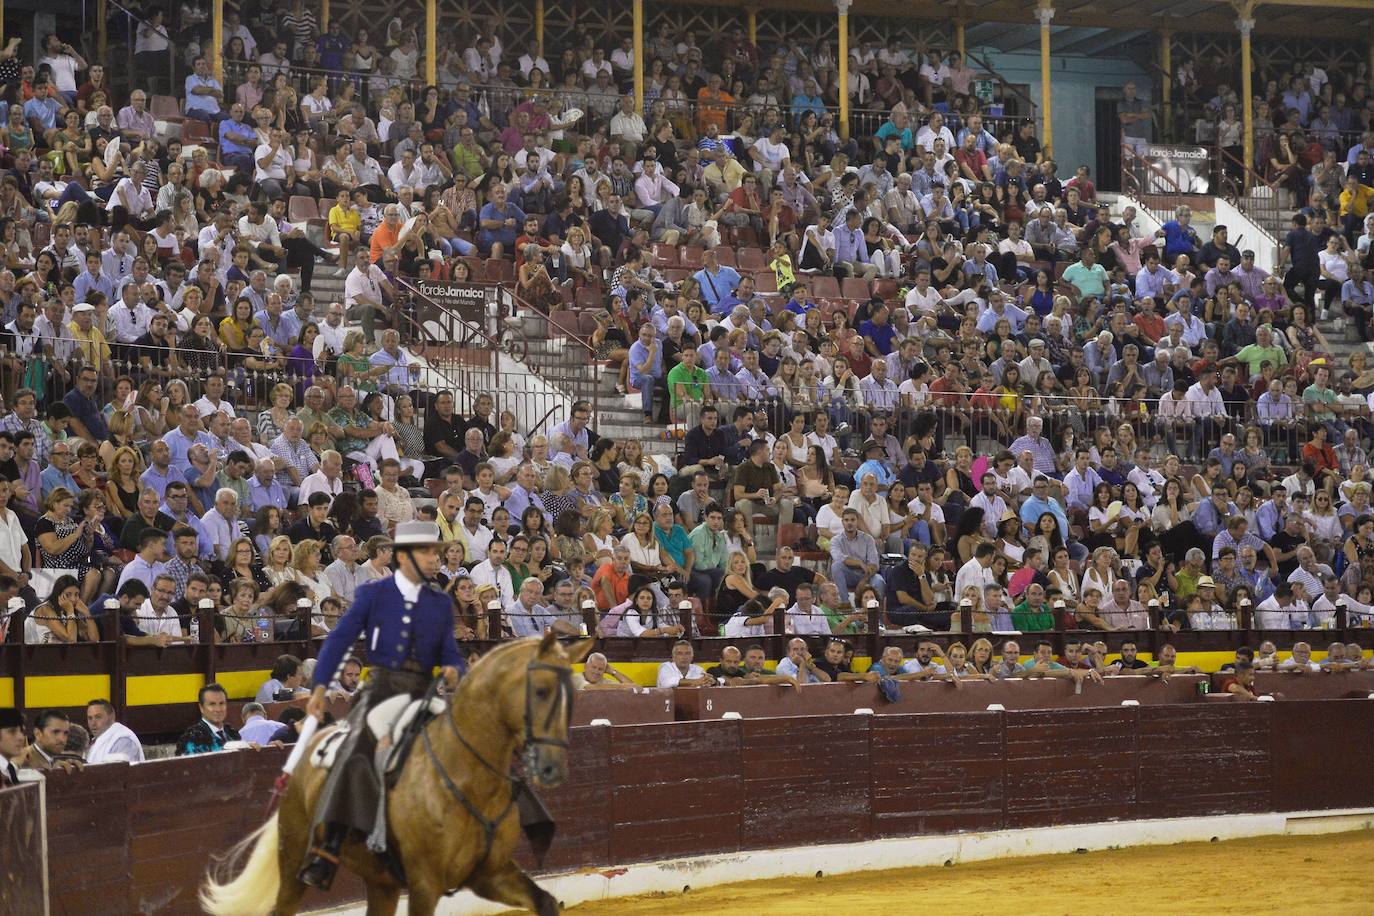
[497,101]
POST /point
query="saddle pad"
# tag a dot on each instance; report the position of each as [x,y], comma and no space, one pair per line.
[327,746]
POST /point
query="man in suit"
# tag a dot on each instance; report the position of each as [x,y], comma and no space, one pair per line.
[212,732]
[49,747]
[11,745]
[408,625]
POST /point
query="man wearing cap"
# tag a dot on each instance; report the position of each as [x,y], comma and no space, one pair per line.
[1209,615]
[875,465]
[407,624]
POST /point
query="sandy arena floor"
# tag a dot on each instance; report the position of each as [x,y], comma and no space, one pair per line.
[1289,874]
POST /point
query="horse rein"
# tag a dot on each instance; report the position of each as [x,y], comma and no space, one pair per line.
[528,743]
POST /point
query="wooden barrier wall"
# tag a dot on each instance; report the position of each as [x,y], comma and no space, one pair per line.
[137,839]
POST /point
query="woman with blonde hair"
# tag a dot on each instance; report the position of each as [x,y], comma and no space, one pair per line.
[632,458]
[558,497]
[277,565]
[600,544]
[737,588]
[148,415]
[980,655]
[958,666]
[122,488]
[121,426]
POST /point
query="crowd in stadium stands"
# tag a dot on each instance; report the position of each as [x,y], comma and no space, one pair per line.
[946,377]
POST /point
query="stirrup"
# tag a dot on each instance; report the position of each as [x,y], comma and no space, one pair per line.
[318,872]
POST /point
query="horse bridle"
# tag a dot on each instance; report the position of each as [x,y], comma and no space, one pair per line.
[528,744]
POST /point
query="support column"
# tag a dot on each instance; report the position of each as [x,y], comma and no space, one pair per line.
[639,55]
[431,42]
[1166,63]
[842,7]
[324,16]
[1246,26]
[959,40]
[539,27]
[1045,13]
[217,40]
[752,21]
[102,31]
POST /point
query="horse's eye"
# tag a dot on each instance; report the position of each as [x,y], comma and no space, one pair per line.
[543,693]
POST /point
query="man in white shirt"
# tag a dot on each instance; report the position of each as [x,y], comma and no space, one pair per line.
[977,572]
[492,571]
[628,127]
[129,315]
[805,617]
[157,615]
[1147,480]
[991,502]
[110,739]
[221,523]
[364,290]
[770,155]
[332,331]
[213,400]
[680,672]
[273,171]
[327,479]
[1206,405]
[342,574]
[934,130]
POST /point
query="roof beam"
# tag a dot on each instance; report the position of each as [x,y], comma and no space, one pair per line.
[1321,4]
[1015,11]
[1102,41]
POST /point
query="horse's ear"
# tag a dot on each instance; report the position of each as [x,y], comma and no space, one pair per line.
[579,650]
[549,641]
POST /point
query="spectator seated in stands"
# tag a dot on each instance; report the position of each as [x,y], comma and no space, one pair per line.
[257,728]
[211,732]
[111,740]
[286,682]
[680,671]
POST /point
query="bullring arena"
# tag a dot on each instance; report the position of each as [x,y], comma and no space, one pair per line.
[470,457]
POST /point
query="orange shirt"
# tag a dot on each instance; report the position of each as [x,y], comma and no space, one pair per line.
[711,107]
[383,237]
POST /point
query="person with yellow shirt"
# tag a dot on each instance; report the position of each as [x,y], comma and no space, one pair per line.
[345,224]
[723,175]
[91,346]
[1355,206]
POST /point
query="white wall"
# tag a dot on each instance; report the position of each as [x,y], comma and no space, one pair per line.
[1246,234]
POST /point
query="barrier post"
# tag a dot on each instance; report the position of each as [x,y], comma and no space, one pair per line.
[1246,24]
[1045,13]
[842,8]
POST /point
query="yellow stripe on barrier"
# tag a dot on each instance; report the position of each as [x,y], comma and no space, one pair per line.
[242,685]
[6,691]
[66,690]
[156,689]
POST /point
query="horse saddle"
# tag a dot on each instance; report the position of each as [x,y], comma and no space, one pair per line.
[327,747]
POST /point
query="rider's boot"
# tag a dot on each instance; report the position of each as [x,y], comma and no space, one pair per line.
[323,860]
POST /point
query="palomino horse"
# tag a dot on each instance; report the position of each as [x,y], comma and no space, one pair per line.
[451,815]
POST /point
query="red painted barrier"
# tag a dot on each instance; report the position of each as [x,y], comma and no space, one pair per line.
[143,835]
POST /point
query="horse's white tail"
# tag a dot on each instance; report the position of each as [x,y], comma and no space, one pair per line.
[254,891]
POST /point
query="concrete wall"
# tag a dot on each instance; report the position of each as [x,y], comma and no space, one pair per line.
[1074,82]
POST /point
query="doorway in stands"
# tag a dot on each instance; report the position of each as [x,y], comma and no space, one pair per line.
[1108,133]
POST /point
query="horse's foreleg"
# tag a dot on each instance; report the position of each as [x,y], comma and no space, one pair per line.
[382,899]
[511,886]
